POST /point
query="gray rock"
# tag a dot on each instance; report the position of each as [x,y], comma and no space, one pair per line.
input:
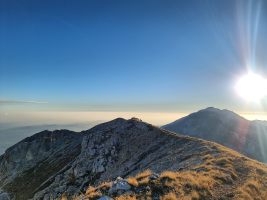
[109,150]
[105,198]
[154,176]
[4,196]
[49,150]
[47,197]
[119,185]
[98,166]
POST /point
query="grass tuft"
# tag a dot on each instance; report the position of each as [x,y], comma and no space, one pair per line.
[132,181]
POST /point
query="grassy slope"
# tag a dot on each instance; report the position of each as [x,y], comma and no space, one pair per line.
[229,176]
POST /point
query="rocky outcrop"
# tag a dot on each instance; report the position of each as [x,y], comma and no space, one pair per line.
[105,198]
[4,196]
[119,186]
[28,164]
[64,162]
[227,177]
[226,128]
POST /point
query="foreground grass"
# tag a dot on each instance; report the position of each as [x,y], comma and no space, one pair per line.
[224,177]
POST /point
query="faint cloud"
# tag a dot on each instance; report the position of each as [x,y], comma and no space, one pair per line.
[7,102]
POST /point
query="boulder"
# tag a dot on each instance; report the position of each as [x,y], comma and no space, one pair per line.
[105,198]
[4,196]
[119,186]
[154,176]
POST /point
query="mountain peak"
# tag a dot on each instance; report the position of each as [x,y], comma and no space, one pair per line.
[119,148]
[211,109]
[219,111]
[118,123]
[227,128]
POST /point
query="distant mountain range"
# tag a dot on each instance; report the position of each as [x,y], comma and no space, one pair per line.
[127,159]
[227,128]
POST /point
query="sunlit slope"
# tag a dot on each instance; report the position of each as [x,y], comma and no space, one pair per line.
[224,177]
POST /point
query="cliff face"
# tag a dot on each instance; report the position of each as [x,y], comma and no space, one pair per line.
[72,162]
[29,163]
[122,148]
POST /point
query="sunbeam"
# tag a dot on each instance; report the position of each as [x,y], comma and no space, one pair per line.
[248,18]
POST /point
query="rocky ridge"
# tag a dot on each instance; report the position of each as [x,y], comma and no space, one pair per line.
[27,164]
[75,162]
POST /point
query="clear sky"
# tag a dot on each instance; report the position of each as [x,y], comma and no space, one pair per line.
[129,56]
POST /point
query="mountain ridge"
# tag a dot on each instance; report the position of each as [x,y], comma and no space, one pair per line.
[227,128]
[123,148]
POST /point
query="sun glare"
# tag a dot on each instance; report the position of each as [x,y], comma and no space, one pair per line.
[252,87]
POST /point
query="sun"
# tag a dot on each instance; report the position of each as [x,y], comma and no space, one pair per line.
[252,87]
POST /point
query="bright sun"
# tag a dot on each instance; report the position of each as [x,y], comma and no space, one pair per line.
[252,87]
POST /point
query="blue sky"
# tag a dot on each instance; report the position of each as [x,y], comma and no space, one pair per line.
[128,55]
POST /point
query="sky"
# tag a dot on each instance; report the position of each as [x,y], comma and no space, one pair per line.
[81,60]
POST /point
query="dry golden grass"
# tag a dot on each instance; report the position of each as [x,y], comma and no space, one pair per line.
[187,184]
[169,175]
[126,197]
[143,177]
[252,189]
[144,181]
[96,192]
[195,195]
[143,174]
[64,197]
[231,176]
[132,181]
[104,186]
[90,189]
[169,196]
[92,193]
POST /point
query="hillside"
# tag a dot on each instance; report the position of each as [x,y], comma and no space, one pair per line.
[224,177]
[29,163]
[181,167]
[227,128]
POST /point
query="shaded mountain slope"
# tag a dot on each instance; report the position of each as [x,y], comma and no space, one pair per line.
[11,135]
[124,148]
[227,128]
[29,163]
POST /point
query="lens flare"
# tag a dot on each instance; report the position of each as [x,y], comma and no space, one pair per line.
[252,87]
